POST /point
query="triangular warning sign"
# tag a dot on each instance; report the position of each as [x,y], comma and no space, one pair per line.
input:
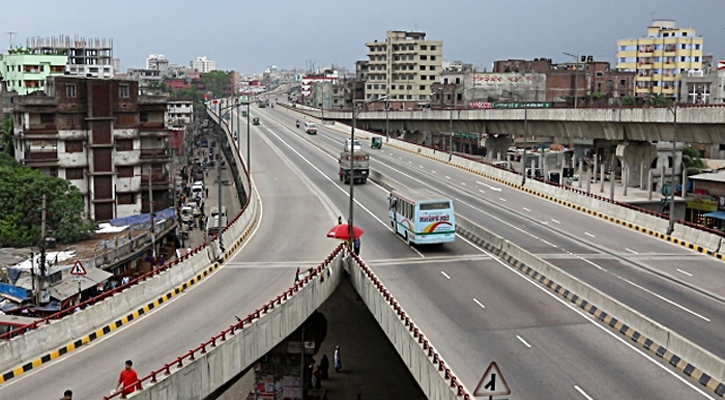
[78,269]
[492,383]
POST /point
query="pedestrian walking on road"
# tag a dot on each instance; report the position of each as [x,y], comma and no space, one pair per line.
[67,395]
[206,192]
[337,360]
[356,246]
[325,366]
[128,381]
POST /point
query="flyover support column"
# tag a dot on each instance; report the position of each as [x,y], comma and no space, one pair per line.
[633,155]
[496,145]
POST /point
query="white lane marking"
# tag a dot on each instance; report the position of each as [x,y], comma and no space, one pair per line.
[631,251]
[448,177]
[589,234]
[421,166]
[666,300]
[586,316]
[495,189]
[337,184]
[502,199]
[475,300]
[526,209]
[583,393]
[523,341]
[434,172]
[446,275]
[410,162]
[463,183]
[555,221]
[481,190]
[684,272]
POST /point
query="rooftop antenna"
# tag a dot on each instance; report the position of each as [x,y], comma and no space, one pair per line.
[11,38]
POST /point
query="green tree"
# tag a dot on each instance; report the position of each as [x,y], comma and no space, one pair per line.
[692,161]
[158,86]
[659,100]
[7,139]
[216,82]
[628,101]
[21,197]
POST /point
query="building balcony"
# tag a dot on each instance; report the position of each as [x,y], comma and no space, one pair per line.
[158,205]
[41,128]
[154,155]
[41,159]
[124,158]
[151,126]
[159,180]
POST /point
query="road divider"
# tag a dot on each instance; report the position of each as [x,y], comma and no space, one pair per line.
[203,370]
[688,357]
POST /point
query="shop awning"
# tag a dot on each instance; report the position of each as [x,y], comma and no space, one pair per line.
[67,288]
[716,215]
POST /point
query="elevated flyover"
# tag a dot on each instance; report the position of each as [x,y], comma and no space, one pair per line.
[695,124]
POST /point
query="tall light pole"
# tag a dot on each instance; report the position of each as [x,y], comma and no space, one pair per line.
[352,162]
[576,77]
[673,110]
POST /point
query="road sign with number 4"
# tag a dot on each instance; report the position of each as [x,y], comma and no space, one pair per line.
[78,269]
[492,383]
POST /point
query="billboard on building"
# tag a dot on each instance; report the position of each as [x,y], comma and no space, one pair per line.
[504,87]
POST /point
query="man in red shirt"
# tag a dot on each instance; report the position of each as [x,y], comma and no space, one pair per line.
[128,381]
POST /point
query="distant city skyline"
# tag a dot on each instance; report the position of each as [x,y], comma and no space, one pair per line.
[251,37]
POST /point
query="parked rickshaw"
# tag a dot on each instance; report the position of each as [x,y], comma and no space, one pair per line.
[376,142]
[255,121]
[244,113]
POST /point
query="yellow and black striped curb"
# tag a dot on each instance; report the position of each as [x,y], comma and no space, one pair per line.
[573,206]
[107,329]
[611,321]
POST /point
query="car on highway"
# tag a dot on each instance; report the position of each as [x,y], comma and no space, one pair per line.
[310,128]
[350,144]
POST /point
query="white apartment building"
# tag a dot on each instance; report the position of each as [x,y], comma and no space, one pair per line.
[179,113]
[203,65]
[158,62]
[403,68]
[90,58]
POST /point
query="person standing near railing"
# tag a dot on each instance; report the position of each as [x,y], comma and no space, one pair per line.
[128,381]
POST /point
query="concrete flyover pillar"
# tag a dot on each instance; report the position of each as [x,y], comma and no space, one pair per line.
[496,144]
[634,156]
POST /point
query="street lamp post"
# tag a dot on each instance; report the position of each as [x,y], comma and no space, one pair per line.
[671,227]
[352,162]
[576,77]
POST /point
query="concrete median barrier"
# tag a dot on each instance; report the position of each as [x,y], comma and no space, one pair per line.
[212,367]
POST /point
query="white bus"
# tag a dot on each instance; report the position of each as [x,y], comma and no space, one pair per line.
[422,217]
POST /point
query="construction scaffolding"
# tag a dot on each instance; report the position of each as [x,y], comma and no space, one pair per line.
[80,50]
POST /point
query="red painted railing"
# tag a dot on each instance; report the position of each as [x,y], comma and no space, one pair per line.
[191,355]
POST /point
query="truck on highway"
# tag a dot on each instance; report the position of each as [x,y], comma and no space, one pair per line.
[354,170]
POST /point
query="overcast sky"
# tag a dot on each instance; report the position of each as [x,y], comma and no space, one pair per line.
[248,36]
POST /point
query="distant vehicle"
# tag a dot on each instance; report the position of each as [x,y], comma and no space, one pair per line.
[422,217]
[214,213]
[195,208]
[349,144]
[187,214]
[310,128]
[198,188]
[354,170]
[213,226]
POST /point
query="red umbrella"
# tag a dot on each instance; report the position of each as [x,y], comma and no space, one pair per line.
[342,232]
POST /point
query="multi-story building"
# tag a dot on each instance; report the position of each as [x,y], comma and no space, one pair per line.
[179,112]
[403,68]
[203,65]
[661,59]
[588,81]
[26,73]
[103,137]
[91,58]
[157,62]
[706,86]
[145,77]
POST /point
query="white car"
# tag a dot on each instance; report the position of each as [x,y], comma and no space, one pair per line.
[356,145]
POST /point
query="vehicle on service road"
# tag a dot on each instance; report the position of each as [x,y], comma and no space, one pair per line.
[422,217]
[354,170]
[310,128]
